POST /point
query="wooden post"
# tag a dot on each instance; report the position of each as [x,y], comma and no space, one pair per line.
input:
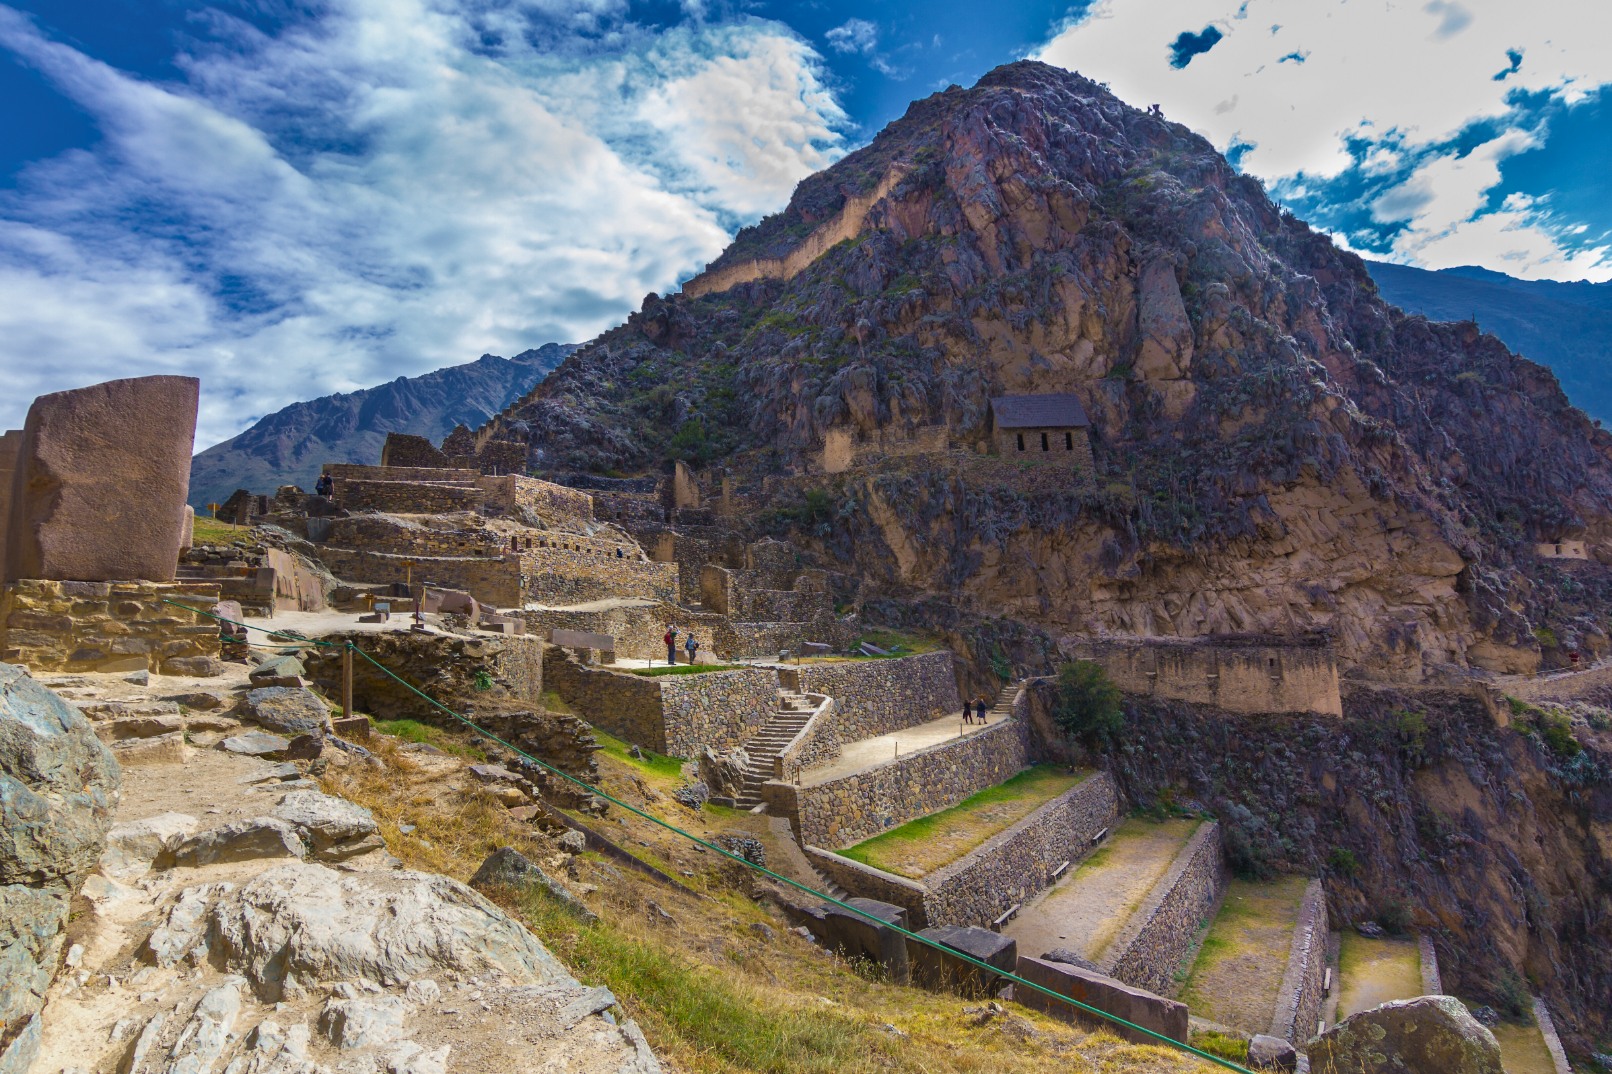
[347,683]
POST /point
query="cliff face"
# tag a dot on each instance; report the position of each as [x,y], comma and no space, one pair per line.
[288,446]
[1566,326]
[1276,448]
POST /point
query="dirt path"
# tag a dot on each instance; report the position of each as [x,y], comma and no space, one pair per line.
[856,756]
[1238,971]
[1086,909]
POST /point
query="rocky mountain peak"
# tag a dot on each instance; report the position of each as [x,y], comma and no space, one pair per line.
[1274,448]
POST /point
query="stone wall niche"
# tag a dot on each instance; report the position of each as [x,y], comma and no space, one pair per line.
[100,481]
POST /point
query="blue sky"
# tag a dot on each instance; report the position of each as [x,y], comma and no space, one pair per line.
[292,197]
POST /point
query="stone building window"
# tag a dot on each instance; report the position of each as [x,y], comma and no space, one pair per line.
[1021,441]
[1043,441]
[1069,441]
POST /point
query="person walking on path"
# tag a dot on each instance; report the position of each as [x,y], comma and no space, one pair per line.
[671,644]
[692,645]
[968,711]
[980,706]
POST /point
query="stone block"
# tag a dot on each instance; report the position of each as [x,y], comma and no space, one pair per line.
[162,749]
[101,476]
[352,728]
[945,972]
[1135,1005]
[868,935]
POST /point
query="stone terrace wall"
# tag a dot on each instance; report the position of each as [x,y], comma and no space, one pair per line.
[875,697]
[717,708]
[675,715]
[561,576]
[108,626]
[1298,1003]
[1243,677]
[379,533]
[854,807]
[1013,865]
[1150,949]
[1005,870]
[491,581]
[352,471]
[544,499]
[406,497]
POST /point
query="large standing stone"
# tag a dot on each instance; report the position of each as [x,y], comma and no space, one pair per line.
[1426,1035]
[290,710]
[101,477]
[57,786]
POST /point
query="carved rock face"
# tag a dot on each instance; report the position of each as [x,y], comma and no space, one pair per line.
[1426,1035]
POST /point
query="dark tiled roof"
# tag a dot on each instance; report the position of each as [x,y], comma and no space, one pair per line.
[1057,411]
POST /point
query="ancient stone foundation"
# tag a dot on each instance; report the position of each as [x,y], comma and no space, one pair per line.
[1237,674]
[109,626]
[1158,936]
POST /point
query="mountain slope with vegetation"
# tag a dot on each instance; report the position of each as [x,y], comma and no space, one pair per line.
[1567,326]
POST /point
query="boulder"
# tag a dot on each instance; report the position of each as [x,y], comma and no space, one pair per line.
[363,1021]
[1426,1035]
[939,969]
[142,726]
[100,484]
[290,710]
[241,840]
[58,785]
[277,671]
[334,828]
[132,848]
[301,923]
[193,667]
[508,868]
[724,773]
[256,744]
[1266,1052]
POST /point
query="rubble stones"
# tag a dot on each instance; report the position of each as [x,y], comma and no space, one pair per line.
[131,848]
[508,868]
[1272,1053]
[242,840]
[1426,1035]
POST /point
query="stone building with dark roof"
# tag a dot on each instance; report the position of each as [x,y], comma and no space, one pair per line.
[1050,427]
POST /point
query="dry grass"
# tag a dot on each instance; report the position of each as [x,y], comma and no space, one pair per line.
[1372,972]
[1239,968]
[713,975]
[921,846]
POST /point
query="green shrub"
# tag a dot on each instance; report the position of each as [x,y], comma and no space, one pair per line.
[1342,861]
[1224,1045]
[1087,706]
[1545,636]
[1396,917]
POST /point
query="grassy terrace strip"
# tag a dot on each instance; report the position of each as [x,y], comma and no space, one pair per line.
[1238,971]
[682,669]
[1015,979]
[919,847]
[1372,972]
[657,763]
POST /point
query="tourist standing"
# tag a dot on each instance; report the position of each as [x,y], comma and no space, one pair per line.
[979,706]
[692,645]
[671,644]
[968,711]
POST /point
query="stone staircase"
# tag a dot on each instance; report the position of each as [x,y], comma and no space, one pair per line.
[766,744]
[1004,702]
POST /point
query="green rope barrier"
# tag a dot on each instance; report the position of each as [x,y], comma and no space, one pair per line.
[926,941]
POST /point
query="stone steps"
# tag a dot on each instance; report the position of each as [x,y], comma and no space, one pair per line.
[763,747]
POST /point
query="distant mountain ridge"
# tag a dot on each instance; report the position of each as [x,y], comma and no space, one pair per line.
[1566,326]
[288,446]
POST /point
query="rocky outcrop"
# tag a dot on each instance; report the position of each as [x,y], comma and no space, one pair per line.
[1426,1035]
[58,786]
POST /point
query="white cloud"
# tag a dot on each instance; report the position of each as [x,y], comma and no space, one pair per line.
[1401,79]
[853,35]
[381,192]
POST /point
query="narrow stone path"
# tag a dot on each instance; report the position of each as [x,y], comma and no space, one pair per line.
[1090,905]
[855,756]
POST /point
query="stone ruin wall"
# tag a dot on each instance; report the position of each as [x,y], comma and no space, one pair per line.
[543,499]
[562,576]
[109,626]
[494,582]
[844,448]
[1012,866]
[1161,932]
[1238,678]
[372,533]
[844,811]
[674,715]
[875,696]
[1007,869]
[441,475]
[1299,1001]
[407,498]
[846,224]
